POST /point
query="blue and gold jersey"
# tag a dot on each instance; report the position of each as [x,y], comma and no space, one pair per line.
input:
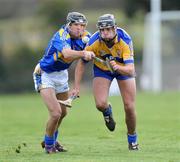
[53,60]
[121,51]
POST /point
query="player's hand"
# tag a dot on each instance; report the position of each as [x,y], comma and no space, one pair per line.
[74,92]
[114,65]
[88,55]
[37,69]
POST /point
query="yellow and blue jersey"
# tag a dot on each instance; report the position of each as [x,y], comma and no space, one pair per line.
[53,60]
[121,52]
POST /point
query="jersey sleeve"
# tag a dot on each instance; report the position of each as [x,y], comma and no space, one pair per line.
[128,54]
[89,48]
[91,43]
[61,41]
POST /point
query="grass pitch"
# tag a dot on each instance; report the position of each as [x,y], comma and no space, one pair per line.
[23,118]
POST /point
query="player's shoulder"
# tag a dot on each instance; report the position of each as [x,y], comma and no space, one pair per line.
[122,34]
[87,34]
[62,33]
[94,38]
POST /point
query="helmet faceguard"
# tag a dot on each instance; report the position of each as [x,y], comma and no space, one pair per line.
[106,21]
[76,17]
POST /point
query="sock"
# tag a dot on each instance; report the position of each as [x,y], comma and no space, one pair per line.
[132,138]
[56,135]
[49,141]
[108,111]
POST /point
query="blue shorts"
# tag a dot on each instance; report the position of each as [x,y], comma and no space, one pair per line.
[108,75]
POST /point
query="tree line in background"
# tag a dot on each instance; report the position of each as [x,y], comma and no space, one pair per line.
[55,8]
[16,71]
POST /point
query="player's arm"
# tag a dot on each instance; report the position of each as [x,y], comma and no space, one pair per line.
[79,71]
[64,47]
[128,68]
[73,54]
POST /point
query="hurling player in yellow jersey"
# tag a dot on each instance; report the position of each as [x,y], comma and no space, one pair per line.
[114,46]
[51,75]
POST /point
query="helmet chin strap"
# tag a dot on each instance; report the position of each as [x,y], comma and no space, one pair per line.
[109,42]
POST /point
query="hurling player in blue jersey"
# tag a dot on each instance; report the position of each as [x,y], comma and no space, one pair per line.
[51,75]
[113,45]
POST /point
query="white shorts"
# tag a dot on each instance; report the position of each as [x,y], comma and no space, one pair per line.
[56,80]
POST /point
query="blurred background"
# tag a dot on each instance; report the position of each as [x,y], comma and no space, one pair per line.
[27,25]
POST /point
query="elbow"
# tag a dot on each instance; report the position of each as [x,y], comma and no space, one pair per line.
[66,54]
[128,70]
[131,72]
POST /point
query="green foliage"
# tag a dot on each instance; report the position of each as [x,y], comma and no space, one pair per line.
[55,11]
[2,67]
[84,134]
[170,5]
[130,7]
[19,69]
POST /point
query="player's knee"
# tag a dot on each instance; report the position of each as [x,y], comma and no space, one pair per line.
[56,115]
[129,107]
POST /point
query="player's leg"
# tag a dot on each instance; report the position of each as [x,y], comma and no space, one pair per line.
[54,83]
[128,93]
[58,145]
[49,97]
[62,96]
[101,92]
